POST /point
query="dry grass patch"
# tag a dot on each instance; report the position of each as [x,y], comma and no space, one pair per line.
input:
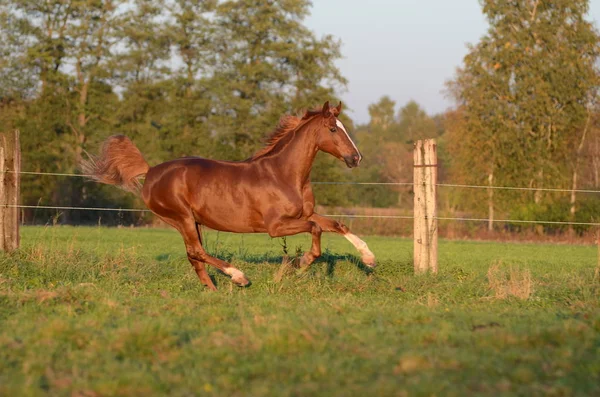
[430,300]
[287,268]
[509,282]
[410,363]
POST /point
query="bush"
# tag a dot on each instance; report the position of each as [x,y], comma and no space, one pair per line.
[587,211]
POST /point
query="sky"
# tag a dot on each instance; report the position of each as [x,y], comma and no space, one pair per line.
[406,49]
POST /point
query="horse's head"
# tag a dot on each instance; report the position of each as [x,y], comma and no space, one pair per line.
[333,138]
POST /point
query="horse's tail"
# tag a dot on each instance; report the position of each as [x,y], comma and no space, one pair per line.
[120,163]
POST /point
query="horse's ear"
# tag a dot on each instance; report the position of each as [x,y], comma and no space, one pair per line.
[336,110]
[326,112]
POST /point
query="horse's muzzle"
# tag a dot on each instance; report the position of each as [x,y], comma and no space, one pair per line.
[353,160]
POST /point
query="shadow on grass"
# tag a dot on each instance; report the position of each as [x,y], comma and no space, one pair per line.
[327,256]
[163,257]
[332,259]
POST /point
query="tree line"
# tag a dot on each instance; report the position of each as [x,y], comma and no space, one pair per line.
[180,77]
[526,115]
[210,78]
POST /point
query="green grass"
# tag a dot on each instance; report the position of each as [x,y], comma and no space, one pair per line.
[97,311]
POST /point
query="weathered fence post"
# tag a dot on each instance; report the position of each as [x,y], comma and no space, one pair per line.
[425,211]
[10,177]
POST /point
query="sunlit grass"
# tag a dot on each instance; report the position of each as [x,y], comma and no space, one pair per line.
[96,311]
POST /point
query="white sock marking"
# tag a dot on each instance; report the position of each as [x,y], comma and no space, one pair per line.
[234,273]
[360,245]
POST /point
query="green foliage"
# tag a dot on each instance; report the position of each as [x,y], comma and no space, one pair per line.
[525,92]
[210,78]
[557,210]
[121,312]
[207,78]
[386,144]
[415,124]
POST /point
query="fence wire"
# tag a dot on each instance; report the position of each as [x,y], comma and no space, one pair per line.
[332,215]
[47,173]
[48,207]
[446,185]
[449,185]
[517,221]
[533,189]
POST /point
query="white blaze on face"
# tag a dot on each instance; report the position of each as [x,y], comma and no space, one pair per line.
[341,127]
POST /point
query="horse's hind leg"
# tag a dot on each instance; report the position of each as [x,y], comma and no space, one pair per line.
[196,253]
[331,225]
[198,256]
[200,267]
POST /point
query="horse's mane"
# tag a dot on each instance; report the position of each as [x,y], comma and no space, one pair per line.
[286,125]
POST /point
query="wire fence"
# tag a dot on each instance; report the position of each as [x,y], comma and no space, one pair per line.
[450,185]
[445,185]
[49,207]
[334,215]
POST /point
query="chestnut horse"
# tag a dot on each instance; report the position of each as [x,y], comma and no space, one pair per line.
[269,192]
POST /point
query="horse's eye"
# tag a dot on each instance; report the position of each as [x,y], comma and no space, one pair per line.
[333,129]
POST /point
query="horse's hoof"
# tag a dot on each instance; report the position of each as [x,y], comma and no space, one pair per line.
[369,261]
[303,262]
[241,281]
[307,260]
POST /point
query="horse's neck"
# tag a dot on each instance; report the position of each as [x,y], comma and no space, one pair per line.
[295,158]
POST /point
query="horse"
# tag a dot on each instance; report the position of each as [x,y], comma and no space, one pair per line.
[269,192]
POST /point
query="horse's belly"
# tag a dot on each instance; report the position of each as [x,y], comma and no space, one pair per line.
[228,219]
[233,228]
[236,205]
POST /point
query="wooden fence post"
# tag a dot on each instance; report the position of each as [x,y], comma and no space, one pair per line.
[425,211]
[10,178]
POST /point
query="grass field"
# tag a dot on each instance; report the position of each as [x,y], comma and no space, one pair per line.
[102,312]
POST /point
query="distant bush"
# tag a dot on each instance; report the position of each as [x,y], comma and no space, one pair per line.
[587,211]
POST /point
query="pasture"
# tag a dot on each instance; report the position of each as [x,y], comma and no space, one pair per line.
[98,311]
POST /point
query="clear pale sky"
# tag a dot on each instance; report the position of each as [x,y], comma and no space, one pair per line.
[406,49]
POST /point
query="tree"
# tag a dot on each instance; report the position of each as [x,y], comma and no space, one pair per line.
[189,89]
[525,90]
[415,124]
[371,139]
[92,36]
[382,114]
[269,63]
[391,138]
[140,71]
[181,77]
[384,155]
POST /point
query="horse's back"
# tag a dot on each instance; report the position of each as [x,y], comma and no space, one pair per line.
[187,167]
[194,162]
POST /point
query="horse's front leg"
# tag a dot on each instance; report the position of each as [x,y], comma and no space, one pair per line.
[331,225]
[280,227]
